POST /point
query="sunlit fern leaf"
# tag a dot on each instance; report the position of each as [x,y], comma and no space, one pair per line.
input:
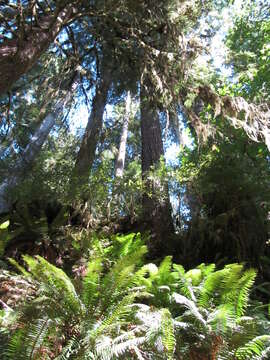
[179,269]
[91,281]
[265,355]
[120,277]
[25,343]
[186,289]
[168,337]
[206,269]
[110,348]
[212,283]
[253,348]
[140,278]
[164,271]
[229,285]
[242,296]
[191,306]
[19,267]
[221,319]
[117,313]
[56,280]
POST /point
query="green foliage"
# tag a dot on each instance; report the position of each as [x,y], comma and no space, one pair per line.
[248,42]
[123,308]
[4,236]
[226,192]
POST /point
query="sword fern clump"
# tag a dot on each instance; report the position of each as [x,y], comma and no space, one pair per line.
[123,308]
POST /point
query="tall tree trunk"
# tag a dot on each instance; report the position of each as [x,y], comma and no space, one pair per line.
[120,161]
[86,154]
[18,55]
[156,204]
[32,150]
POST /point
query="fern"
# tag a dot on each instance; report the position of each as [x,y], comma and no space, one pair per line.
[183,312]
[253,347]
[244,287]
[91,282]
[168,338]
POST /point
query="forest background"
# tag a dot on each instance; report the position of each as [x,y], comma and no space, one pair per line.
[150,76]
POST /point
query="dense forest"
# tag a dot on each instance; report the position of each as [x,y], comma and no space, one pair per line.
[135,179]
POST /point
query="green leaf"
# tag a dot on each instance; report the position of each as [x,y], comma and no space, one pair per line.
[4,225]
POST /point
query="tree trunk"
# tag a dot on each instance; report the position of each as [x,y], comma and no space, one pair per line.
[18,55]
[120,162]
[86,154]
[156,204]
[32,150]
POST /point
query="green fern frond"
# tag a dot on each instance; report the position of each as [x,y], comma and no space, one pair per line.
[116,315]
[207,269]
[121,277]
[222,319]
[191,306]
[253,348]
[70,350]
[16,346]
[19,267]
[91,282]
[244,286]
[36,335]
[56,281]
[165,266]
[212,283]
[110,348]
[168,337]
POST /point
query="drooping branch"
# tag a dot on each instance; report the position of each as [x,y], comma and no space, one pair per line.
[252,118]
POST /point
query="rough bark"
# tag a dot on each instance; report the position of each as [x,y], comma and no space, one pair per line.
[120,161]
[156,204]
[86,154]
[18,55]
[30,153]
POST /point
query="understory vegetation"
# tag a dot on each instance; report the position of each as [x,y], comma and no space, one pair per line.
[121,307]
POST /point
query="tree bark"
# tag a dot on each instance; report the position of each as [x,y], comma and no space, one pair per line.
[32,150]
[120,162]
[18,55]
[156,203]
[86,154]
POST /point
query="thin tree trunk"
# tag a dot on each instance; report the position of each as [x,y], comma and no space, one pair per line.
[18,55]
[120,162]
[156,204]
[86,154]
[30,153]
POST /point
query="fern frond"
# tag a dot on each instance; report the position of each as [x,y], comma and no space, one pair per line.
[56,281]
[19,267]
[116,315]
[222,319]
[190,305]
[16,346]
[211,284]
[253,348]
[168,337]
[36,334]
[244,286]
[70,350]
[91,282]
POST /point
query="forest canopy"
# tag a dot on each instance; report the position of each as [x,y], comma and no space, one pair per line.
[134,179]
